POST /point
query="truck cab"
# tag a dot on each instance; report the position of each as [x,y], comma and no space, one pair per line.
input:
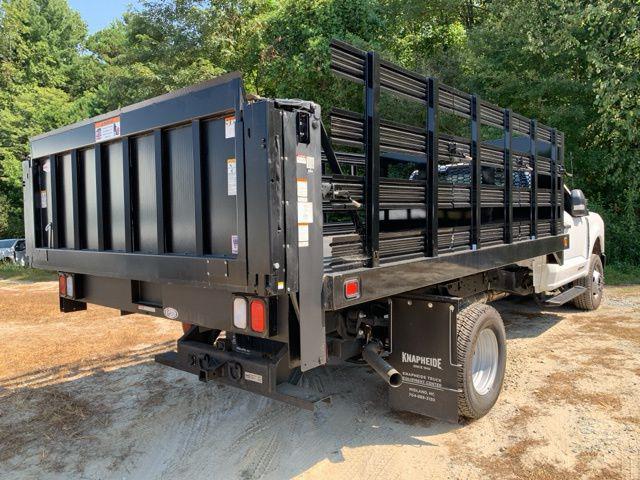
[584,258]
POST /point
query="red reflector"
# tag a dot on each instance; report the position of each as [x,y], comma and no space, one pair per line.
[258,316]
[62,284]
[352,288]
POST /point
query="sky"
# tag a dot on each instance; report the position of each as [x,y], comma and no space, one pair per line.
[99,13]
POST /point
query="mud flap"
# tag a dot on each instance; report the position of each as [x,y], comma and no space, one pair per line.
[424,351]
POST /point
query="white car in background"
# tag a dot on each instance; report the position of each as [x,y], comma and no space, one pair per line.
[13,250]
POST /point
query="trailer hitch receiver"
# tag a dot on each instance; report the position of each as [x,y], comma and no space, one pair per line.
[200,353]
[210,367]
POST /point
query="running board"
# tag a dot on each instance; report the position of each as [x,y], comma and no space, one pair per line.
[565,296]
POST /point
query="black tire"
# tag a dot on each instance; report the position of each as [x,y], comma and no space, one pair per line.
[592,298]
[471,321]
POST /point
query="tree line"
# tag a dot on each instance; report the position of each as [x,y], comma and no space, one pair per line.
[572,64]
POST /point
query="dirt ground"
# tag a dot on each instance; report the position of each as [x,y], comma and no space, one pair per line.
[80,397]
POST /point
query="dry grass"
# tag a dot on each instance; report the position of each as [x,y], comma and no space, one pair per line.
[515,463]
[46,422]
[617,326]
[41,417]
[522,418]
[562,387]
[598,358]
[49,423]
[30,313]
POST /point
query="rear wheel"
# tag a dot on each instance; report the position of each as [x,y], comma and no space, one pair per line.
[481,343]
[594,283]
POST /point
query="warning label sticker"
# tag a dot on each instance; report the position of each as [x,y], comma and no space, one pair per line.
[303,190]
[234,244]
[303,235]
[305,212]
[252,377]
[107,129]
[229,127]
[232,182]
[306,160]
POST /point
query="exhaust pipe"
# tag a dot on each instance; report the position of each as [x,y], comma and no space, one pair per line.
[371,354]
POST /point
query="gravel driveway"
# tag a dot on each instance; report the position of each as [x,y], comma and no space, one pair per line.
[80,397]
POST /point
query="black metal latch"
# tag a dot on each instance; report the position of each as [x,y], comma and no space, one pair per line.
[302,127]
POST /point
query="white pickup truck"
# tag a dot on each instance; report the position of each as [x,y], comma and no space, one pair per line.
[584,257]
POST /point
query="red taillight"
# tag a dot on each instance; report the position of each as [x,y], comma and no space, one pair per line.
[62,284]
[258,316]
[66,285]
[352,288]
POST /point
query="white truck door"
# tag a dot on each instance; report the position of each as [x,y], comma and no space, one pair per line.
[549,276]
[578,230]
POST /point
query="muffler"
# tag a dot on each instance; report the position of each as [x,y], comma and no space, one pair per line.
[371,354]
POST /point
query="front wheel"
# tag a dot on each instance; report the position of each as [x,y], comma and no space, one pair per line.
[594,283]
[482,353]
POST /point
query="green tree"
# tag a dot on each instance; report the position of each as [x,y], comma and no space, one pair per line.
[574,65]
[45,81]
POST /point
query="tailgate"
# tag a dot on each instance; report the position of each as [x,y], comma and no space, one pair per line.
[151,192]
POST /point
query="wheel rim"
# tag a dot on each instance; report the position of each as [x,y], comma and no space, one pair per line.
[597,282]
[484,365]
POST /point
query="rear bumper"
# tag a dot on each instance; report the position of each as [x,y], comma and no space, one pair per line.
[257,372]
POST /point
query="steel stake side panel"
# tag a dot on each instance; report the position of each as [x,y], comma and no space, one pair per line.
[492,178]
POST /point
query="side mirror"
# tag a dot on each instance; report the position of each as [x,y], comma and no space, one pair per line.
[578,204]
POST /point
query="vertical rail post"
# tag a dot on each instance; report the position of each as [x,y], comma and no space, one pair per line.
[157,150]
[372,156]
[554,183]
[53,234]
[31,197]
[126,179]
[431,166]
[197,186]
[476,177]
[97,155]
[75,203]
[508,177]
[533,133]
[560,162]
